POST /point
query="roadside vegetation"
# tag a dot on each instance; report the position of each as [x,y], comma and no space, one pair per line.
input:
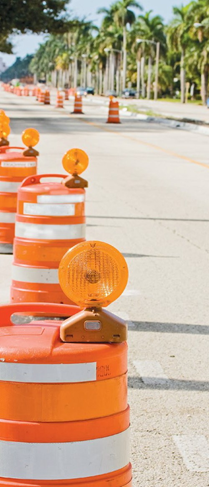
[132,48]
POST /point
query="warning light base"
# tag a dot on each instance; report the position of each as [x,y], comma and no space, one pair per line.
[31,152]
[3,142]
[94,325]
[75,181]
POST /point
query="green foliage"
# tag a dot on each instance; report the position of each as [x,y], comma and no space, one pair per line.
[31,16]
[20,69]
[184,44]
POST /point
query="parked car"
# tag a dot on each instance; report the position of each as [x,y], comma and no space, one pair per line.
[129,93]
[111,93]
[81,91]
[90,90]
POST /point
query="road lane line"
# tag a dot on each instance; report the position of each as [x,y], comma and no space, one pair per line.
[147,144]
[131,292]
[194,450]
[151,372]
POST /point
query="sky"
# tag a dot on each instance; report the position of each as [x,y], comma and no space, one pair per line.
[28,43]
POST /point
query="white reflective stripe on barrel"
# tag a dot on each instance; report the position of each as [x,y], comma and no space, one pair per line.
[61,198]
[49,232]
[7,217]
[48,373]
[51,209]
[36,275]
[9,187]
[18,164]
[62,461]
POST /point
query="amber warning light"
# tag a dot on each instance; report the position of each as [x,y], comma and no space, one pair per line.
[4,128]
[75,161]
[30,138]
[93,274]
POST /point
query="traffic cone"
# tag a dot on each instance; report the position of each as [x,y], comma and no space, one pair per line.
[47,98]
[113,114]
[26,91]
[78,104]
[66,94]
[41,97]
[60,101]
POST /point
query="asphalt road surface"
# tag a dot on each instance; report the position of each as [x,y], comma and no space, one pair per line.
[149,197]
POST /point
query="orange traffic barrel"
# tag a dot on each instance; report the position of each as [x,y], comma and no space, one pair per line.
[50,219]
[15,166]
[63,411]
[59,101]
[26,91]
[66,94]
[47,97]
[41,96]
[77,104]
[113,114]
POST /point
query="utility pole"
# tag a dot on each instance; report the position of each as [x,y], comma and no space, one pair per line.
[124,57]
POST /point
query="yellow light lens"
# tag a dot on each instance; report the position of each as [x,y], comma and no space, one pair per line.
[93,274]
[4,129]
[3,117]
[75,161]
[30,137]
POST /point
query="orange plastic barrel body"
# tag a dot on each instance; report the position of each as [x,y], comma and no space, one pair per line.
[41,96]
[26,91]
[78,104]
[64,416]
[50,219]
[66,94]
[14,167]
[60,101]
[47,97]
[113,114]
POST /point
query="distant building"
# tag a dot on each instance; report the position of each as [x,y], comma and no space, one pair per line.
[3,66]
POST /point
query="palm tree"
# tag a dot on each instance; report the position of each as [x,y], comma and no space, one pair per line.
[150,29]
[124,15]
[121,14]
[200,33]
[179,39]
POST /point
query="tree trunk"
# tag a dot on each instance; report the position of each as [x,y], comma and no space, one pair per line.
[149,77]
[112,70]
[100,81]
[138,78]
[75,72]
[142,75]
[204,86]
[183,76]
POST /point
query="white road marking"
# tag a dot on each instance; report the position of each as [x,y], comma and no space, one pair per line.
[131,292]
[151,372]
[124,316]
[194,450]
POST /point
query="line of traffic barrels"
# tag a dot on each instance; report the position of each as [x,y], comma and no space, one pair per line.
[16,163]
[63,374]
